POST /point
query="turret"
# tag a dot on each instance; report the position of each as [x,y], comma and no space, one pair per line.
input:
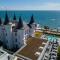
[14,18]
[0,21]
[32,20]
[20,23]
[6,19]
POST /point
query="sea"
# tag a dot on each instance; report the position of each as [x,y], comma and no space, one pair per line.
[44,18]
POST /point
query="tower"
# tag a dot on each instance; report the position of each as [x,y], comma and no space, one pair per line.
[31,26]
[18,34]
[7,34]
[6,19]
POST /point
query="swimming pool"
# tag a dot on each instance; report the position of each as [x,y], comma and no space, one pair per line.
[51,38]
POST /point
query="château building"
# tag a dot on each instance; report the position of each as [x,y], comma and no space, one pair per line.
[13,34]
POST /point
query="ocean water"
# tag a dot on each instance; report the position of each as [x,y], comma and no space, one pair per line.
[44,18]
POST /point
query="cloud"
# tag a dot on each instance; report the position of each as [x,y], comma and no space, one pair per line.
[50,6]
[46,6]
[43,6]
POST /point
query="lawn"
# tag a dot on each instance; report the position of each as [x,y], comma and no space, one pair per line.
[38,34]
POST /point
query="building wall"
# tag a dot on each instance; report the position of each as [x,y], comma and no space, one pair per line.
[7,34]
[15,39]
[1,35]
[18,38]
[26,33]
[31,32]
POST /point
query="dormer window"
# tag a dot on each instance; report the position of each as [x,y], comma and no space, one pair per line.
[6,34]
[6,41]
[15,33]
[16,39]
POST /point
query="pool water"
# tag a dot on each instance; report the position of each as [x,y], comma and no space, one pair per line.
[51,38]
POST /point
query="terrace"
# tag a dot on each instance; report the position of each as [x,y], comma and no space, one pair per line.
[33,48]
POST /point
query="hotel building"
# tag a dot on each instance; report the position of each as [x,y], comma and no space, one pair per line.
[13,34]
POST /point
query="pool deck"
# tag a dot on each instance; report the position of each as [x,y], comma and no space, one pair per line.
[52,32]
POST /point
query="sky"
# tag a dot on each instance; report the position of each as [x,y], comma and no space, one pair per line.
[29,4]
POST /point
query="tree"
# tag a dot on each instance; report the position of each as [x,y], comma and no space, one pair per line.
[20,23]
[6,19]
[46,27]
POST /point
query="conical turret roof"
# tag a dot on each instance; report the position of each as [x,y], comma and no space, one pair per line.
[20,23]
[6,19]
[0,21]
[32,20]
[14,18]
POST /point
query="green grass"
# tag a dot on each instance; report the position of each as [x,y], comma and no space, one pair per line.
[38,34]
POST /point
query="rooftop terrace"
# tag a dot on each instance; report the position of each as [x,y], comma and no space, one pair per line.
[33,46]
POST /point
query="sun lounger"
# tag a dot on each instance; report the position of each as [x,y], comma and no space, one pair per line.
[45,58]
[54,50]
[44,43]
[41,47]
[51,59]
[37,53]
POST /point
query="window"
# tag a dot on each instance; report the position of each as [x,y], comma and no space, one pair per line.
[16,40]
[16,46]
[15,33]
[19,43]
[6,41]
[6,34]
